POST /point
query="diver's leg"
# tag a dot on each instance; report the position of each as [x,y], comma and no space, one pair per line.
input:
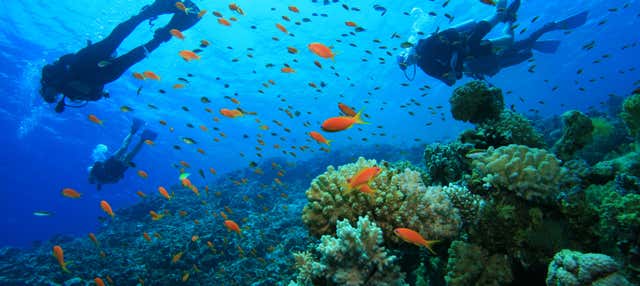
[506,40]
[120,154]
[129,156]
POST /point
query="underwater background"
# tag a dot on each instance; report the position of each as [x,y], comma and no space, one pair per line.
[556,188]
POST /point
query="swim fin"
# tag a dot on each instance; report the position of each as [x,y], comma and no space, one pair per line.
[148,135]
[573,22]
[548,47]
[136,124]
[511,13]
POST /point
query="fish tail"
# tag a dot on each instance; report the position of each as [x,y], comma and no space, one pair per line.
[329,142]
[429,243]
[358,118]
[64,267]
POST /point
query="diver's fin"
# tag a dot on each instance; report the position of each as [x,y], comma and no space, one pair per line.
[548,47]
[511,13]
[136,124]
[148,135]
[573,22]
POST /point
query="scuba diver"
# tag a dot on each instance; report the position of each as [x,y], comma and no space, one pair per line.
[447,55]
[81,77]
[110,171]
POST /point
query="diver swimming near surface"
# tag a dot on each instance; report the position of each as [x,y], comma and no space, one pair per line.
[447,55]
[111,170]
[80,77]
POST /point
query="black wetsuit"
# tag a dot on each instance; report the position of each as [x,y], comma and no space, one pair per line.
[108,172]
[436,53]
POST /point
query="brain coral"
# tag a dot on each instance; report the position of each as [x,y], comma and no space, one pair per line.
[401,200]
[354,257]
[476,102]
[533,174]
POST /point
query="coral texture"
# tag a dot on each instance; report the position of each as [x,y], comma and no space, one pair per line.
[577,133]
[573,268]
[354,257]
[631,114]
[509,128]
[400,200]
[476,102]
[533,174]
[469,264]
[446,163]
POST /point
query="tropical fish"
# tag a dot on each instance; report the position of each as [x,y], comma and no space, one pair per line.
[142,174]
[146,236]
[176,257]
[231,113]
[234,7]
[155,215]
[380,8]
[106,208]
[204,43]
[188,140]
[294,9]
[362,177]
[202,13]
[340,123]
[98,281]
[138,75]
[151,75]
[59,255]
[71,193]
[321,50]
[287,70]
[188,55]
[351,24]
[414,237]
[319,138]
[176,33]
[164,192]
[125,108]
[94,239]
[42,213]
[232,226]
[346,109]
[282,28]
[95,119]
[141,194]
[224,22]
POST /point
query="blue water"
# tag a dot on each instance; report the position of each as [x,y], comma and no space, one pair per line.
[44,152]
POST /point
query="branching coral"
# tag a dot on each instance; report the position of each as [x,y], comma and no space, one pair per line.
[446,163]
[401,200]
[533,174]
[354,257]
[476,102]
[573,268]
[469,264]
[509,128]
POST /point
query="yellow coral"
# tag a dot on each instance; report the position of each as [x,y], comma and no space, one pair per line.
[533,174]
[401,200]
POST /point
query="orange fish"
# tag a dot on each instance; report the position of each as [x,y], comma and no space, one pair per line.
[224,22]
[340,123]
[95,119]
[143,174]
[292,50]
[351,24]
[202,13]
[59,254]
[138,75]
[185,164]
[176,33]
[178,86]
[282,28]
[71,193]
[94,239]
[294,9]
[365,188]
[363,177]
[176,257]
[489,2]
[185,277]
[181,7]
[321,50]
[148,142]
[146,236]
[106,208]
[141,194]
[155,215]
[195,238]
[287,70]
[319,138]
[212,171]
[151,75]
[109,280]
[231,113]
[236,8]
[232,225]
[412,236]
[346,109]
[98,281]
[164,192]
[188,55]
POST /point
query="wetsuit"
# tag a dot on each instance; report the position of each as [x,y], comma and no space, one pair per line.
[108,172]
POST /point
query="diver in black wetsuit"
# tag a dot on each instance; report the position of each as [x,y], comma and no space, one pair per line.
[112,170]
[449,54]
[81,77]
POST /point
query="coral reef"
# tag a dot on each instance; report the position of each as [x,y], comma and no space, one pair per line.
[356,256]
[401,200]
[469,264]
[468,204]
[577,132]
[573,268]
[631,114]
[476,102]
[533,174]
[509,128]
[446,163]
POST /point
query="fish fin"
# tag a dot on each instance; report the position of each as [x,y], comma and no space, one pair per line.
[548,47]
[358,118]
[429,243]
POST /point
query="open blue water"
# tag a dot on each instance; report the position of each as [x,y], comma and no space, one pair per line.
[43,152]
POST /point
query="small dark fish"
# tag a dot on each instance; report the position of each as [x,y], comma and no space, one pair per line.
[445,3]
[132,164]
[190,125]
[204,99]
[139,90]
[185,108]
[306,20]
[183,79]
[152,106]
[197,51]
[189,75]
[359,29]
[253,164]
[201,172]
[162,91]
[188,140]
[177,147]
[380,8]
[406,45]
[535,19]
[42,213]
